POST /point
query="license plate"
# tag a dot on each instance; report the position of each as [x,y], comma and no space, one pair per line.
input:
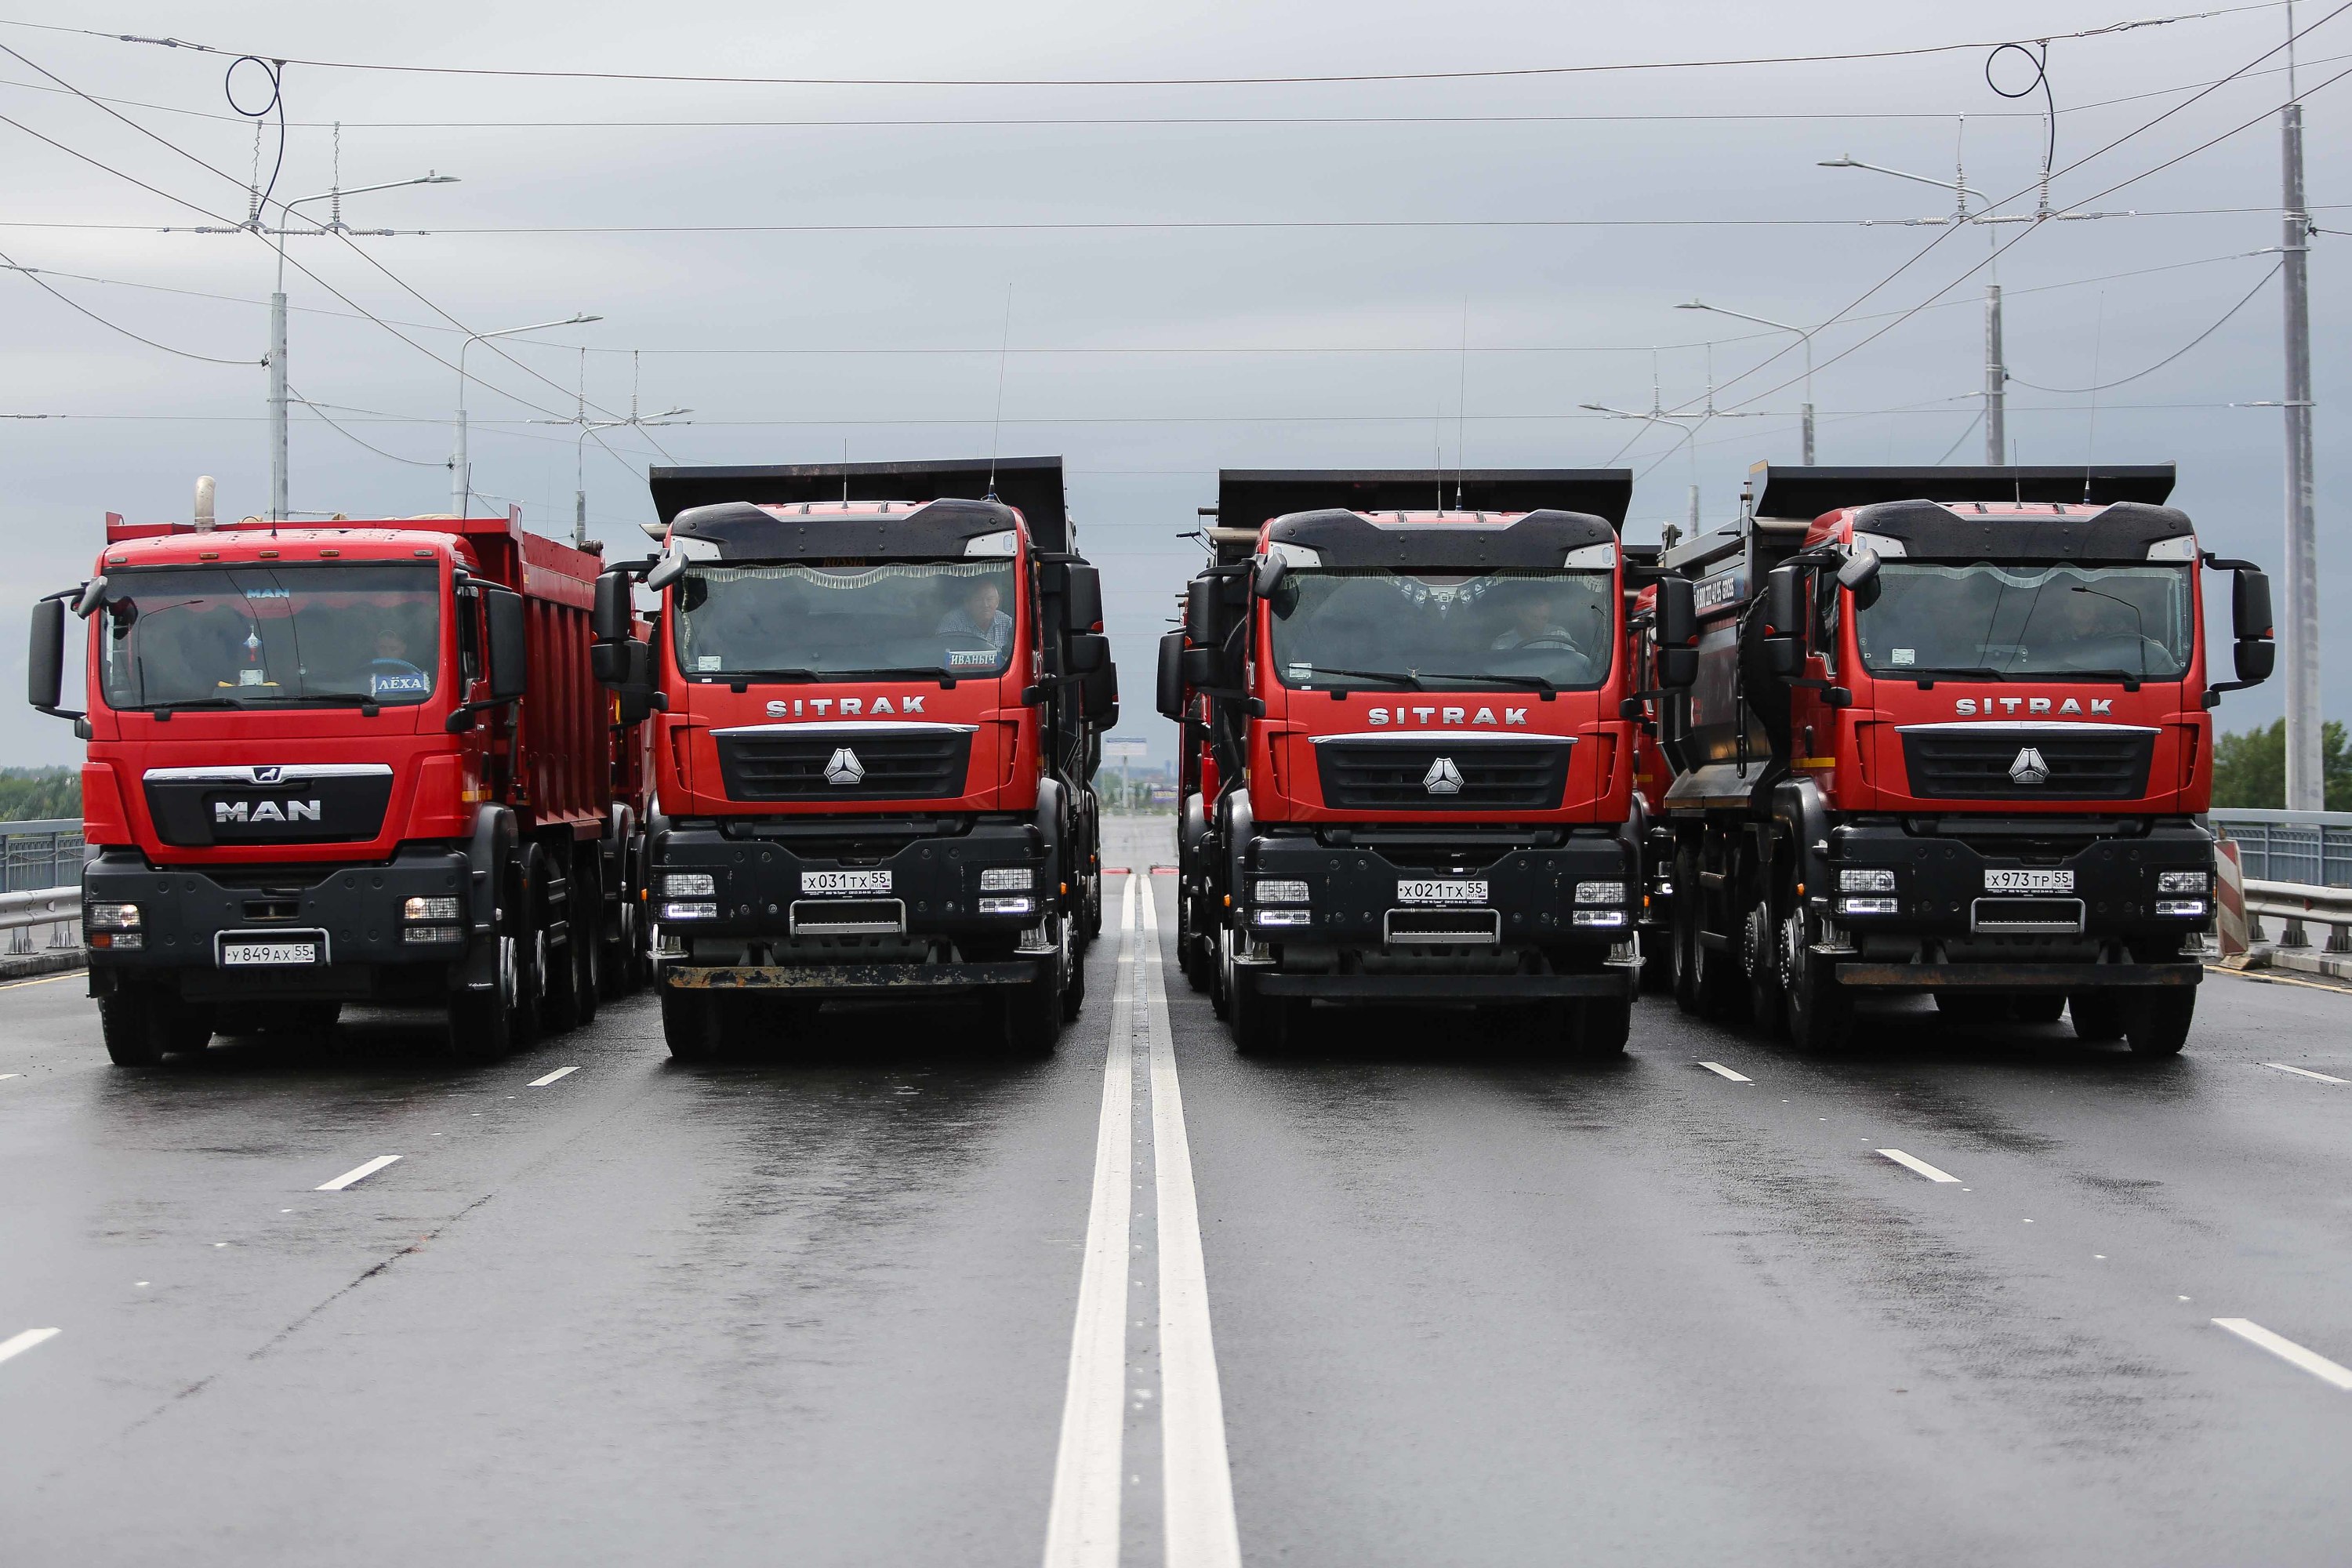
[238,954]
[845,882]
[1441,890]
[2028,881]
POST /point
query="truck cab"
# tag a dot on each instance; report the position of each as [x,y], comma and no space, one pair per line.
[1413,687]
[878,696]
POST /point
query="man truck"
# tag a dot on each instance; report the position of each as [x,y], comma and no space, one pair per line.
[878,692]
[359,762]
[1950,734]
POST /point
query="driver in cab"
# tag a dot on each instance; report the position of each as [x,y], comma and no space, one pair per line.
[390,674]
[977,617]
[1533,622]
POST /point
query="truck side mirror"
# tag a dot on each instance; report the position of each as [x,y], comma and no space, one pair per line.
[45,660]
[1098,695]
[1082,605]
[668,570]
[1202,667]
[2250,605]
[608,663]
[1270,574]
[1171,677]
[609,621]
[1677,614]
[2257,658]
[633,694]
[1783,614]
[1860,571]
[1200,611]
[502,611]
[1089,651]
[1677,668]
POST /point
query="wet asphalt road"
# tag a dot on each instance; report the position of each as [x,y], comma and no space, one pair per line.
[1469,1306]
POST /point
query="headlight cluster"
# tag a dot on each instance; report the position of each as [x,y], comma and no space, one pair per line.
[429,909]
[1600,893]
[1282,917]
[2194,908]
[1870,906]
[1600,918]
[1280,891]
[690,910]
[112,926]
[1004,906]
[1865,880]
[2182,881]
[689,884]
[1007,879]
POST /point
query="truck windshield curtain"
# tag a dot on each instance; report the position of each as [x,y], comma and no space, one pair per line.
[252,635]
[1555,626]
[2029,623]
[803,620]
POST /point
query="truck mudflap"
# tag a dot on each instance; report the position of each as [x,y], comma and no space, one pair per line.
[842,981]
[2013,977]
[1614,981]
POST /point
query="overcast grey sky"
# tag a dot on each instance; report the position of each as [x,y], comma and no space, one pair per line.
[1549,222]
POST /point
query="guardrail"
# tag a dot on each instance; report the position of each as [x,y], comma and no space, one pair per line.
[59,908]
[2312,848]
[2297,906]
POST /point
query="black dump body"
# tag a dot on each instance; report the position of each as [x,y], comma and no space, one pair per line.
[1033,485]
[1808,492]
[1247,498]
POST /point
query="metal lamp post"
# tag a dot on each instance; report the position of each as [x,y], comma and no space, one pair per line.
[461,476]
[1803,333]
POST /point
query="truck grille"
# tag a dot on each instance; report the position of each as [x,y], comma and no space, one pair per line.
[929,765]
[1388,775]
[1979,764]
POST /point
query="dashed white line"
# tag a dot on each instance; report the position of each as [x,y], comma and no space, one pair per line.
[1912,1162]
[18,1344]
[1082,1520]
[2307,1072]
[357,1173]
[10,1075]
[1719,1070]
[551,1077]
[1196,1474]
[2286,1349]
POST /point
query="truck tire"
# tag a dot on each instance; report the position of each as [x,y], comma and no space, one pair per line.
[1260,1024]
[1760,956]
[1074,990]
[587,937]
[1684,929]
[1220,975]
[529,948]
[2157,1021]
[1601,1026]
[482,1023]
[689,1024]
[141,1026]
[2097,1015]
[561,903]
[1821,1011]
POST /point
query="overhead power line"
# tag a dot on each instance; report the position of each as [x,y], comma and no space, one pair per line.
[2151,370]
[1488,73]
[32,276]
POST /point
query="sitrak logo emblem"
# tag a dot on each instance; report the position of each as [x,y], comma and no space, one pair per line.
[843,768]
[2029,768]
[1443,777]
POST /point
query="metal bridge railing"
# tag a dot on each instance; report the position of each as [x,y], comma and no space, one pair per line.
[43,861]
[2311,848]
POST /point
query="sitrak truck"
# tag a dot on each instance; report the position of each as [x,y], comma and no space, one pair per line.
[362,762]
[1408,687]
[1951,733]
[879,693]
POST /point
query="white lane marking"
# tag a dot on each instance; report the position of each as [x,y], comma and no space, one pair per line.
[18,1344]
[1196,1477]
[2286,1349]
[1910,1164]
[357,1173]
[9,1075]
[1082,1522]
[1719,1070]
[551,1077]
[2307,1072]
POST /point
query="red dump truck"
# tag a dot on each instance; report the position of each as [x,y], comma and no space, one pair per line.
[363,762]
[1950,734]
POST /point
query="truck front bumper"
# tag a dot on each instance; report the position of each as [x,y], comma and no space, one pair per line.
[846,982]
[1360,898]
[354,916]
[1943,887]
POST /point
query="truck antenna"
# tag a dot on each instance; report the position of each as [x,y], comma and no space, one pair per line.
[2091,436]
[1461,411]
[996,428]
[845,473]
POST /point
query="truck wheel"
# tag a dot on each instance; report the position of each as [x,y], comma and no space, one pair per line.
[1760,956]
[1821,1011]
[1258,1023]
[2157,1021]
[2038,1006]
[2097,1015]
[1094,900]
[689,1024]
[1602,1025]
[1033,1018]
[482,1023]
[1684,929]
[587,939]
[141,1026]
[560,900]
[530,950]
[1221,975]
[1074,993]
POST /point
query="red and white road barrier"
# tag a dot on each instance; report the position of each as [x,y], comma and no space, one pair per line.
[2230,901]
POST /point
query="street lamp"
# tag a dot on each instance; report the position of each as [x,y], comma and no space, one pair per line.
[461,474]
[278,319]
[1803,333]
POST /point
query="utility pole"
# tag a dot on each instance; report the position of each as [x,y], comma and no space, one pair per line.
[587,427]
[1996,392]
[2306,783]
[461,469]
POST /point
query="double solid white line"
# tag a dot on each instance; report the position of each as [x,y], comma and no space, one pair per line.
[1082,1525]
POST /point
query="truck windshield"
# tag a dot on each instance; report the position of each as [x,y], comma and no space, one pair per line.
[2029,622]
[1379,628]
[817,622]
[251,635]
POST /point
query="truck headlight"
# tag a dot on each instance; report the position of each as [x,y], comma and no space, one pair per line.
[2194,908]
[695,911]
[1865,880]
[1282,917]
[2182,881]
[1007,906]
[110,917]
[1279,890]
[1600,916]
[434,908]
[1600,893]
[1007,879]
[1870,906]
[689,884]
[432,934]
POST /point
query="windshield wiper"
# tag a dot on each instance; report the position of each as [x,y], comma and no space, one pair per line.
[1531,682]
[2130,679]
[326,699]
[1397,678]
[1941,672]
[177,705]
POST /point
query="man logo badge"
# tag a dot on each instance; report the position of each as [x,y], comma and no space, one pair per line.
[1443,777]
[268,772]
[843,768]
[2029,768]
